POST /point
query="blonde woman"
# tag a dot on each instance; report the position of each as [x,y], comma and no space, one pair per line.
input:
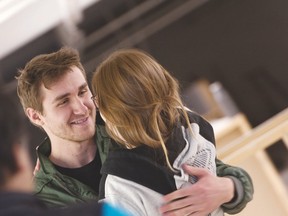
[153,133]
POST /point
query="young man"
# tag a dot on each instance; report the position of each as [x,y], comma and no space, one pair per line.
[16,168]
[55,96]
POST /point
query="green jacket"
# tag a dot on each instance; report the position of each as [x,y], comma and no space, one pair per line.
[58,190]
[244,189]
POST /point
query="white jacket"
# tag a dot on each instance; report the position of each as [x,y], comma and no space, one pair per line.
[136,179]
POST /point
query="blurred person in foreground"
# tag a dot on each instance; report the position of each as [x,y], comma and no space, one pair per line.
[16,169]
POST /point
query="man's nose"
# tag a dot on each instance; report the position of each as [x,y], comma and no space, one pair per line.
[79,107]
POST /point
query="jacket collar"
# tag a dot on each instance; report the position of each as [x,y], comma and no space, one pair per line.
[43,151]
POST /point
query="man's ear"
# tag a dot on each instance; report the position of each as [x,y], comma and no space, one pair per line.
[34,116]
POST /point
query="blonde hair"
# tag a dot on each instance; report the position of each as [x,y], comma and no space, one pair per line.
[138,98]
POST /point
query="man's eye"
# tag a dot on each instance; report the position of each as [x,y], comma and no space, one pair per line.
[82,92]
[63,102]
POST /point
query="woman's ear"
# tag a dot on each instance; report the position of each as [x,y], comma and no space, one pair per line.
[17,155]
[34,116]
[24,175]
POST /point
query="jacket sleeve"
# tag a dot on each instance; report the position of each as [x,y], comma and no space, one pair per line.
[242,181]
[136,199]
[243,187]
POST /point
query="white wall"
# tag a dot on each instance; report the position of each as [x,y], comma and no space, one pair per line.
[22,21]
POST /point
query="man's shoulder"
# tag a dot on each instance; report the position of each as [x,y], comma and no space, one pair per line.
[60,191]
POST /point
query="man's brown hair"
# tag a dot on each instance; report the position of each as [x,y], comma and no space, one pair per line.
[44,69]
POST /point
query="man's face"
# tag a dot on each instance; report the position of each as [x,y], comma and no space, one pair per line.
[68,111]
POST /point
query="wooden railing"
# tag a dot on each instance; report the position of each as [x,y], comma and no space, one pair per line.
[246,149]
[259,138]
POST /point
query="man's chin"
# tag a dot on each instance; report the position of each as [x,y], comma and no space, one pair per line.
[83,134]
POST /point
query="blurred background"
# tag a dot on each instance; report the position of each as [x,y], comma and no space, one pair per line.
[239,47]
